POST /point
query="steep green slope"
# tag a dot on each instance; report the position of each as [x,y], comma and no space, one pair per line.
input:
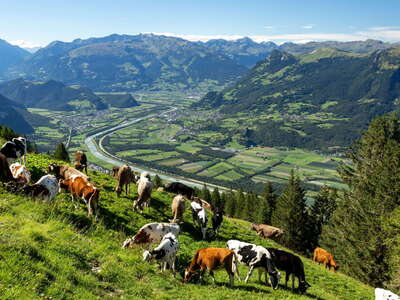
[124,62]
[14,115]
[119,100]
[317,100]
[53,250]
[52,95]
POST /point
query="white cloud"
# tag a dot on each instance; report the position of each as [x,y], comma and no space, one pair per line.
[25,44]
[383,28]
[269,27]
[310,26]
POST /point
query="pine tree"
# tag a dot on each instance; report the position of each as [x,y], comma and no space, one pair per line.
[267,205]
[157,182]
[205,194]
[240,202]
[230,204]
[61,153]
[291,215]
[355,234]
[216,198]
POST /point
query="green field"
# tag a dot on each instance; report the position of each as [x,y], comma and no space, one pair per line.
[53,251]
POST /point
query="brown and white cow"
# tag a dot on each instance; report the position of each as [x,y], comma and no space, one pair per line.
[178,208]
[80,161]
[144,188]
[323,256]
[65,172]
[79,186]
[267,231]
[46,188]
[20,173]
[210,259]
[125,177]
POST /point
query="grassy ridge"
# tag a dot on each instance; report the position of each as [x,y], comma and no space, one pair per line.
[53,250]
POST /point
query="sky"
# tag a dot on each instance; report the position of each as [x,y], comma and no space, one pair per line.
[29,23]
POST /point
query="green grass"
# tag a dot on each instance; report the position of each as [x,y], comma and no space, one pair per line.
[52,250]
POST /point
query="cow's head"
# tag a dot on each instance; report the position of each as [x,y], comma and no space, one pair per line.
[147,256]
[336,267]
[54,169]
[303,286]
[189,274]
[219,212]
[63,185]
[254,226]
[115,171]
[127,243]
[145,175]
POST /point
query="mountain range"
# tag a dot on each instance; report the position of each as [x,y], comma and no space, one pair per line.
[10,56]
[317,100]
[12,115]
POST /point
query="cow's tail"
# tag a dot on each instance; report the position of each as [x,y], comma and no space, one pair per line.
[235,268]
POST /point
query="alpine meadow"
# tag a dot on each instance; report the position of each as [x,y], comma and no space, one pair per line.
[200,150]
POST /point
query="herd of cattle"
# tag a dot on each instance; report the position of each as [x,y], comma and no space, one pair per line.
[78,184]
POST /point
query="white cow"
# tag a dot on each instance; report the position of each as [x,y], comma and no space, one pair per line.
[20,173]
[46,187]
[144,189]
[199,215]
[151,233]
[382,294]
[165,253]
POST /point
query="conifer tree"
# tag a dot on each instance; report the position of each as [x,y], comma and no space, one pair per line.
[61,153]
[157,182]
[240,202]
[355,234]
[267,205]
[216,198]
[205,194]
[291,215]
[230,204]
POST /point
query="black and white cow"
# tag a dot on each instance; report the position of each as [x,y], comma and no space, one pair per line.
[257,257]
[15,149]
[165,252]
[217,218]
[382,294]
[199,216]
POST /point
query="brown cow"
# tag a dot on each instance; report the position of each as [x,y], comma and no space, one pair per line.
[125,177]
[80,161]
[79,186]
[210,259]
[323,256]
[5,172]
[178,208]
[65,172]
[267,231]
[20,173]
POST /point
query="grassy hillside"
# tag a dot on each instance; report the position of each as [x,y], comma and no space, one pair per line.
[52,251]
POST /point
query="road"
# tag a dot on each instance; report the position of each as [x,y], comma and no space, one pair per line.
[99,152]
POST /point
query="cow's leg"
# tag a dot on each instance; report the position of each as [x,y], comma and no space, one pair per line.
[249,274]
[293,282]
[231,279]
[287,278]
[89,206]
[202,271]
[212,276]
[203,231]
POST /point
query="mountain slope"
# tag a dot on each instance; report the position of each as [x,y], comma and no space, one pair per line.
[11,114]
[10,56]
[119,100]
[60,253]
[52,95]
[321,99]
[124,62]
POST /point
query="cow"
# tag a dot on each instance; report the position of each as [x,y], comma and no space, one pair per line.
[203,203]
[165,253]
[20,173]
[15,149]
[5,172]
[217,218]
[178,208]
[210,259]
[179,188]
[382,294]
[145,186]
[80,161]
[292,265]
[267,231]
[46,188]
[80,187]
[323,256]
[125,177]
[151,233]
[65,172]
[255,257]
[199,216]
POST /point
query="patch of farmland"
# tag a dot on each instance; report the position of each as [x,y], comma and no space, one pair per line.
[172,162]
[280,174]
[265,179]
[191,167]
[138,152]
[219,168]
[188,148]
[160,156]
[332,165]
[230,176]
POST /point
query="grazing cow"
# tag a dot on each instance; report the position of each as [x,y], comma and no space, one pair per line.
[178,208]
[79,186]
[199,216]
[65,172]
[210,259]
[255,257]
[20,173]
[217,218]
[14,149]
[80,161]
[151,233]
[179,188]
[125,177]
[323,256]
[46,188]
[382,294]
[165,253]
[267,231]
[203,203]
[5,172]
[292,265]
[145,186]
